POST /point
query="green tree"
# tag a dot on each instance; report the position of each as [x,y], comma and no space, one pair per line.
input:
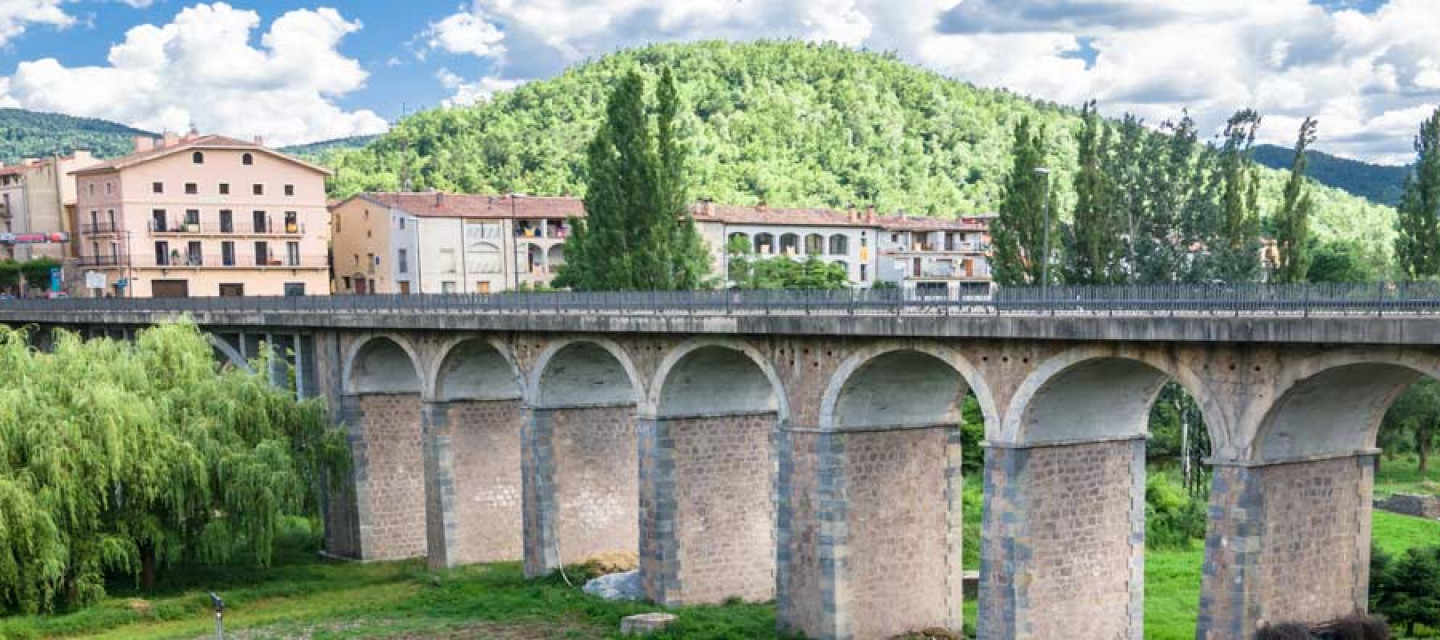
[1293,220]
[1415,417]
[1418,245]
[1406,590]
[1019,232]
[1237,256]
[158,457]
[1338,261]
[784,273]
[739,256]
[1095,256]
[637,233]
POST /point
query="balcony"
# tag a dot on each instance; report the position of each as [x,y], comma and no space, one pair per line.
[100,228]
[218,229]
[103,261]
[221,261]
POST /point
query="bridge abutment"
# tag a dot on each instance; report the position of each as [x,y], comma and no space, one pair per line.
[1286,541]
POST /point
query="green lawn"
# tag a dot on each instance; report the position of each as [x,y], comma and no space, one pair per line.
[1401,475]
[303,596]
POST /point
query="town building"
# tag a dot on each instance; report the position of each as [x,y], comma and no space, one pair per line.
[396,243]
[37,206]
[203,216]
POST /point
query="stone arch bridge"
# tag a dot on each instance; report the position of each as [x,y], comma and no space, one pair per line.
[811,455]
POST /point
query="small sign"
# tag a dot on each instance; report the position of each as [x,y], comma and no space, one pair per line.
[57,277]
[94,280]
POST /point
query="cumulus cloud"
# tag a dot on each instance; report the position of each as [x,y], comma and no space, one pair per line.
[202,69]
[466,33]
[468,93]
[1363,71]
[17,15]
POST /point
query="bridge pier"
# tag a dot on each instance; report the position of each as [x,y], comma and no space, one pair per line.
[1063,542]
[1287,541]
[385,444]
[472,481]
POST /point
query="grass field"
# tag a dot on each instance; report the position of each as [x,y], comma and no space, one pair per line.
[1402,475]
[305,597]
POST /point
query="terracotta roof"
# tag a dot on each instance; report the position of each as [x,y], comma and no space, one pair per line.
[449,205]
[187,144]
[19,168]
[831,218]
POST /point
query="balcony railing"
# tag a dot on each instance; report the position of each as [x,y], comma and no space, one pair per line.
[103,261]
[100,227]
[215,228]
[237,261]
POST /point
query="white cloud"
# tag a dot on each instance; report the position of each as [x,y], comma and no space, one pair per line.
[1362,74]
[17,15]
[468,93]
[201,69]
[466,33]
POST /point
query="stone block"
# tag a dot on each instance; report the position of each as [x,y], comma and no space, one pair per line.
[645,623]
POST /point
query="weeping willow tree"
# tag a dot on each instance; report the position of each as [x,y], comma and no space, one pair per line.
[123,459]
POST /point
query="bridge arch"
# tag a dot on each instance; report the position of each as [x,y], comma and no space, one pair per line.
[228,352]
[911,385]
[383,363]
[590,371]
[705,376]
[1096,393]
[1333,403]
[473,368]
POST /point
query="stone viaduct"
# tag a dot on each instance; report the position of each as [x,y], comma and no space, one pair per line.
[814,458]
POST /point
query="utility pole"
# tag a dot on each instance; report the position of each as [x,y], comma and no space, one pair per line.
[1045,206]
[513,242]
[405,183]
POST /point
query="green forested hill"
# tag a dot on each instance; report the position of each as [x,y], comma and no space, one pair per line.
[787,122]
[31,134]
[1379,183]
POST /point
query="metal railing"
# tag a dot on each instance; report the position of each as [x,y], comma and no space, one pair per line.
[1207,300]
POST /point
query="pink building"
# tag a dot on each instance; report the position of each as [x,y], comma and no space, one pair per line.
[203,216]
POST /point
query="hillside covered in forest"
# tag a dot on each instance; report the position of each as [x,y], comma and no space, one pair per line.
[1379,183]
[789,123]
[32,134]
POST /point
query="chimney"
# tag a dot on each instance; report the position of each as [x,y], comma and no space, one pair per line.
[707,209]
[762,207]
[144,143]
[259,141]
[851,214]
[170,139]
[870,214]
[439,199]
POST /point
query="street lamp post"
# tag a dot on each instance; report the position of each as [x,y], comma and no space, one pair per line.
[515,243]
[1045,206]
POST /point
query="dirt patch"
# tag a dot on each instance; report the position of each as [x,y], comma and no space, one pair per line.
[607,562]
[395,630]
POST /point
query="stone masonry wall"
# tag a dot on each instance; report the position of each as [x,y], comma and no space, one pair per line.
[897,578]
[1287,542]
[485,440]
[1062,555]
[803,581]
[390,477]
[595,481]
[724,507]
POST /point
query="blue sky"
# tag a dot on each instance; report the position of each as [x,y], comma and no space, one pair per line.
[303,70]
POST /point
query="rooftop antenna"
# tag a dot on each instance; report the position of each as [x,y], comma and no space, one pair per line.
[405,183]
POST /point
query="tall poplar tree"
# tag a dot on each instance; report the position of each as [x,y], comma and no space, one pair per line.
[1238,257]
[1292,232]
[1019,233]
[1418,244]
[1095,254]
[637,233]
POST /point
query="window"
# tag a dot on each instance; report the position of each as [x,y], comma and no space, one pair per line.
[292,224]
[157,220]
[191,189]
[109,188]
[292,254]
[293,289]
[370,262]
[789,244]
[224,188]
[839,245]
[197,158]
[110,213]
[257,189]
[157,187]
[247,159]
[162,253]
[337,223]
[94,220]
[289,189]
[262,253]
[192,218]
[814,244]
[357,261]
[193,255]
[864,273]
[227,253]
[232,290]
[257,219]
[764,244]
[92,188]
[227,221]
[447,286]
[402,224]
[402,262]
[446,261]
[346,280]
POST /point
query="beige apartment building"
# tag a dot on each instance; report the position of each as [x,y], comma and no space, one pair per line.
[37,206]
[399,243]
[203,216]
